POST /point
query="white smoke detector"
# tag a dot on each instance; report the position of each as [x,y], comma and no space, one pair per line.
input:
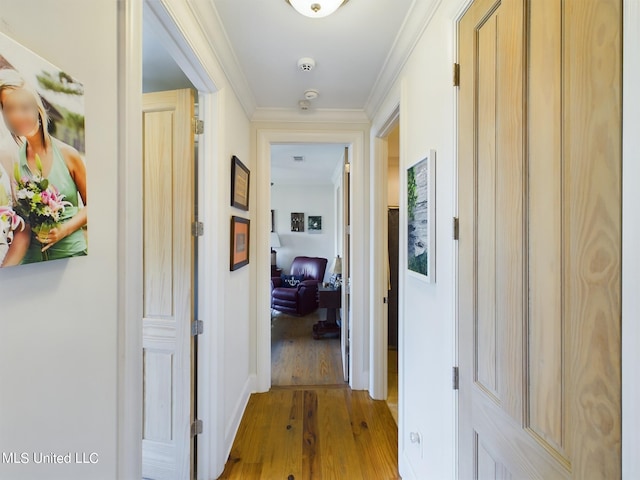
[304,104]
[306,64]
[311,94]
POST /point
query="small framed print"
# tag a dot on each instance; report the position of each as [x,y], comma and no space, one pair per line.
[239,184]
[239,242]
[297,222]
[314,224]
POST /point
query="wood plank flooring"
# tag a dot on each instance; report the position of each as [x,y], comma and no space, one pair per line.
[311,425]
[298,359]
[315,433]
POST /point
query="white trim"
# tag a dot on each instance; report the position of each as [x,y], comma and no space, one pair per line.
[412,29]
[129,444]
[358,374]
[630,242]
[320,115]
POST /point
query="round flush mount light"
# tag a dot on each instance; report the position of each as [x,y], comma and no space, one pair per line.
[311,94]
[306,64]
[316,8]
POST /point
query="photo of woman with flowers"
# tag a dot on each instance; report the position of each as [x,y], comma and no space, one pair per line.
[48,195]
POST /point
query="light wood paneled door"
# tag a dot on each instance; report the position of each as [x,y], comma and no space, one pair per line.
[168,159]
[540,239]
[345,334]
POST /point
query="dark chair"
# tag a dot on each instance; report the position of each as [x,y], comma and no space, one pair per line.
[302,299]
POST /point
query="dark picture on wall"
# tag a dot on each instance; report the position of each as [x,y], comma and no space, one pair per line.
[239,184]
[239,242]
[421,218]
[314,224]
[297,222]
[43,182]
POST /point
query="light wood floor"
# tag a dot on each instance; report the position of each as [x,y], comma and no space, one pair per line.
[298,359]
[311,425]
[392,383]
[319,433]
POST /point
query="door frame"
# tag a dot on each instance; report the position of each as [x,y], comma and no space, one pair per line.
[359,345]
[162,15]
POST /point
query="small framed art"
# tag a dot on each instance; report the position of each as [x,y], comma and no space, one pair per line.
[239,184]
[239,242]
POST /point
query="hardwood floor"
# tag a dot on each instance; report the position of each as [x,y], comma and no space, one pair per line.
[298,359]
[318,433]
[392,383]
[321,430]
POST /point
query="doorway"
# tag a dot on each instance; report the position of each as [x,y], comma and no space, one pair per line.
[304,207]
[357,344]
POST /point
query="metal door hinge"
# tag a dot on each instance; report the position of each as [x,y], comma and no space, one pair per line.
[347,168]
[196,427]
[197,327]
[198,126]
[197,229]
[456,74]
[456,378]
[456,228]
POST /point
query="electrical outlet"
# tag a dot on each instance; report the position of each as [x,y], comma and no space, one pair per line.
[416,439]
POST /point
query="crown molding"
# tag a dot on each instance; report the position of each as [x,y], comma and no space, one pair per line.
[208,19]
[412,29]
[320,115]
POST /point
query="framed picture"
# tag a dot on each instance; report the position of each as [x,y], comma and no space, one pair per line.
[421,235]
[273,223]
[239,242]
[239,184]
[297,222]
[314,223]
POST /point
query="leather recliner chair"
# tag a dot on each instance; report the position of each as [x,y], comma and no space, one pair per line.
[303,298]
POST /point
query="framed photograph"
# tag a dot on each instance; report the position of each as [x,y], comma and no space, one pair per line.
[239,184]
[297,222]
[421,235]
[314,224]
[239,242]
[273,223]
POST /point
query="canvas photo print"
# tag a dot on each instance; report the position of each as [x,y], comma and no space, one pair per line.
[43,182]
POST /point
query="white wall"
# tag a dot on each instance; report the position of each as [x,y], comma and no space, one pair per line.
[630,242]
[58,326]
[426,316]
[310,200]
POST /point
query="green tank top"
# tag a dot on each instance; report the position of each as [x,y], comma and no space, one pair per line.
[75,244]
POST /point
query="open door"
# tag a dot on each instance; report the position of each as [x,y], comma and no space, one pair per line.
[540,239]
[168,361]
[346,266]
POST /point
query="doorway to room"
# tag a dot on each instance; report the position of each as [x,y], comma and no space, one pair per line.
[306,235]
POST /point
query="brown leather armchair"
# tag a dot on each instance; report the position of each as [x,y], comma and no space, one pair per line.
[303,298]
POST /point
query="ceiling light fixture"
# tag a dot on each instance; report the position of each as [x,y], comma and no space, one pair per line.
[316,8]
[311,94]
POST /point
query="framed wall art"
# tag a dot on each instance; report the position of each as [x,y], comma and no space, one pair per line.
[239,242]
[297,222]
[239,184]
[421,234]
[314,224]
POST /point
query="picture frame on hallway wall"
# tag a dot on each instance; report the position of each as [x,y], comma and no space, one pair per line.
[314,223]
[421,221]
[42,208]
[240,228]
[297,222]
[240,176]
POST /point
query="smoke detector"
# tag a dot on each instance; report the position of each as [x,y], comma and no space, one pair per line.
[311,94]
[306,64]
[304,104]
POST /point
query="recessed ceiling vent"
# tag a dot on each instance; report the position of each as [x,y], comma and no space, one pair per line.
[298,158]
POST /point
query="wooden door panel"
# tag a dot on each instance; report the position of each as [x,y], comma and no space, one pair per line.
[168,258]
[539,252]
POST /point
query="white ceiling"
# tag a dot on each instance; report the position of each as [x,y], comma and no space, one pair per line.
[318,167]
[350,48]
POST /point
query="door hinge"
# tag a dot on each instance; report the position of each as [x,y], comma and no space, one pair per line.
[197,327]
[456,378]
[198,126]
[196,427]
[456,74]
[347,168]
[197,229]
[456,228]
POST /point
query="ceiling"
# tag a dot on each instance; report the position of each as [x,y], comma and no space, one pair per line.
[318,167]
[358,52]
